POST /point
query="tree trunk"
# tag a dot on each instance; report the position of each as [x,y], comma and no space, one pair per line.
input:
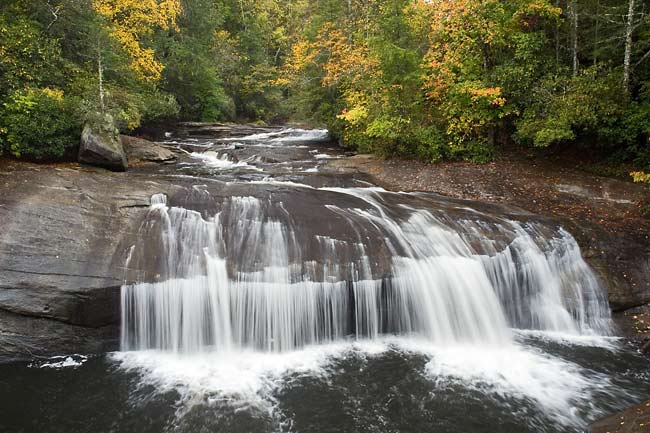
[557,39]
[628,47]
[573,19]
[596,33]
[100,74]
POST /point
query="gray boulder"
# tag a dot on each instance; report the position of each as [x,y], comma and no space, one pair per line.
[139,150]
[101,146]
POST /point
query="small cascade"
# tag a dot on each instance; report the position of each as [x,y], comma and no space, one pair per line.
[253,275]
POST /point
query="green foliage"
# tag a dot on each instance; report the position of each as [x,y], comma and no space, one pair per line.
[565,106]
[430,79]
[27,56]
[38,123]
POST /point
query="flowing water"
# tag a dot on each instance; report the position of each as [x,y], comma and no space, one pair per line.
[270,293]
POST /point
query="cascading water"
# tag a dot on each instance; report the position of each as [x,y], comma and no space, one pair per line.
[246,277]
[267,291]
[274,265]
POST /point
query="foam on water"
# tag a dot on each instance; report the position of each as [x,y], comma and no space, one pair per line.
[561,389]
[59,362]
[325,156]
[286,136]
[223,162]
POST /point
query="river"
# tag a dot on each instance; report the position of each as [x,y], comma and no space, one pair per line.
[270,293]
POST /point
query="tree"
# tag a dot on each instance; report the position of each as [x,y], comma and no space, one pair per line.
[133,20]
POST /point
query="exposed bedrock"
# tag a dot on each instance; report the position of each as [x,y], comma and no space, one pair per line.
[66,231]
[61,263]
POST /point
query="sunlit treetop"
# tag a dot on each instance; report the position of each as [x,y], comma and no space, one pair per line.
[133,20]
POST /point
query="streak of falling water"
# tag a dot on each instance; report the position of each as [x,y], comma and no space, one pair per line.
[238,280]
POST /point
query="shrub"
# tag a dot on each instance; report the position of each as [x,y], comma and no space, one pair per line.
[37,123]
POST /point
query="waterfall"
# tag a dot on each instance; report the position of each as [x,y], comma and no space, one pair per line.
[252,276]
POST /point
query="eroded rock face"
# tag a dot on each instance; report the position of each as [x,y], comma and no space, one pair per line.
[62,231]
[101,146]
[65,232]
[139,149]
[603,214]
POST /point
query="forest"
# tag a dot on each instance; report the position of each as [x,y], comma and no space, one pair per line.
[427,79]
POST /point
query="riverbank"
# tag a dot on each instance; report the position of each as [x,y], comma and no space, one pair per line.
[81,245]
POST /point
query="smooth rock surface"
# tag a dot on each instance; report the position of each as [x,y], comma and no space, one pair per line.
[603,214]
[62,235]
[139,149]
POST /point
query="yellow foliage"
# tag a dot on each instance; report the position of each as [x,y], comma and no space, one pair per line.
[131,20]
[640,177]
[346,60]
[490,94]
[55,94]
[358,112]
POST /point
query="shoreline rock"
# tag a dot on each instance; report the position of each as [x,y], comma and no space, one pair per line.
[63,234]
[603,214]
[141,150]
[101,146]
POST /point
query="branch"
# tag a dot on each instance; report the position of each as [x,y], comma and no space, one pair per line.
[55,13]
[645,56]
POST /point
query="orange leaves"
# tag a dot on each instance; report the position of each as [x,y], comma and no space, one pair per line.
[131,20]
[640,177]
[302,55]
[490,94]
[340,59]
[346,59]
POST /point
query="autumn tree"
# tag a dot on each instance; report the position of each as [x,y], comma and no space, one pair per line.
[134,20]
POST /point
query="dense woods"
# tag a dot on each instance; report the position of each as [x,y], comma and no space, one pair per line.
[433,79]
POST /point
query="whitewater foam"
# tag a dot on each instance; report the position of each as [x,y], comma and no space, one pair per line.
[561,389]
[214,160]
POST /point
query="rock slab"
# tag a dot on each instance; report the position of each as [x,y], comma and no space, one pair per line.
[64,232]
[141,150]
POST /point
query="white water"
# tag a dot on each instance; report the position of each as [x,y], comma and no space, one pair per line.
[514,373]
[241,299]
[439,288]
[215,160]
[285,136]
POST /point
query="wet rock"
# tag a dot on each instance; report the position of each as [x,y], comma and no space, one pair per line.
[634,324]
[139,149]
[23,337]
[604,215]
[633,420]
[63,235]
[101,146]
[200,129]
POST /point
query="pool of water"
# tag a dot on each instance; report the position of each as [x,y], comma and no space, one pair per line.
[541,383]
